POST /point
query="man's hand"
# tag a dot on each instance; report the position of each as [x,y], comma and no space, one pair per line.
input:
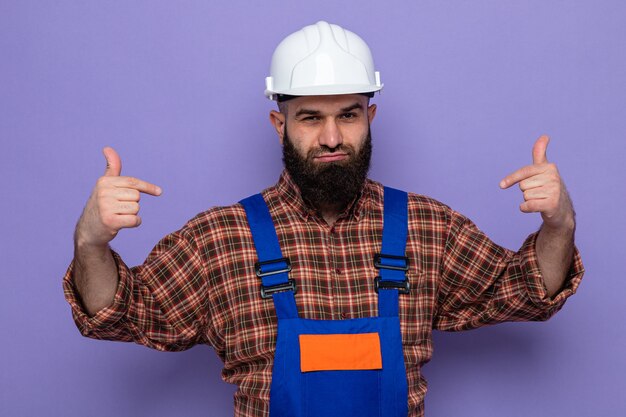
[543,188]
[113,204]
[544,192]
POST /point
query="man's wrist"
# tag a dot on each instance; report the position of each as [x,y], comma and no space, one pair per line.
[565,226]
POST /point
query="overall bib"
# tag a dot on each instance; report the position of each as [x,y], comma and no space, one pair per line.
[341,368]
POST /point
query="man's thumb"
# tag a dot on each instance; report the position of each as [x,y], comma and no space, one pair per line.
[114,163]
[539,150]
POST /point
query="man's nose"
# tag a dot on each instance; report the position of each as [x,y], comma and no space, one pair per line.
[331,135]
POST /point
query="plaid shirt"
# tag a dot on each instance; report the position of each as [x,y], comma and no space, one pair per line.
[198,285]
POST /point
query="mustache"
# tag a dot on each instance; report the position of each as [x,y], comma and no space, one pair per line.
[325,150]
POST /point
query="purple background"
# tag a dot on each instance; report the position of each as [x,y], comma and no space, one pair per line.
[177,89]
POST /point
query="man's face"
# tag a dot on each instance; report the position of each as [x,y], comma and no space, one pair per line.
[326,146]
[325,124]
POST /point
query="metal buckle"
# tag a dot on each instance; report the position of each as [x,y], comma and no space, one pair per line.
[378,257]
[266,292]
[261,274]
[403,287]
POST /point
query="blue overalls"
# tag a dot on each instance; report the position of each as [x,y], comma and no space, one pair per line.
[342,368]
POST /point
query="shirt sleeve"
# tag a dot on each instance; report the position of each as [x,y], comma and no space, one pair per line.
[483,283]
[161,304]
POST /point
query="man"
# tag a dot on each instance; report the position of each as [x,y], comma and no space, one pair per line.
[320,294]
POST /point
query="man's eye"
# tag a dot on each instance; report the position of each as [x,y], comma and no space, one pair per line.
[311,118]
[348,116]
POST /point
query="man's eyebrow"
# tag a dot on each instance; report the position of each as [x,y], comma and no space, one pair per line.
[307,111]
[352,107]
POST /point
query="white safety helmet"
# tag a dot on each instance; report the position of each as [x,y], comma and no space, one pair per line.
[321,59]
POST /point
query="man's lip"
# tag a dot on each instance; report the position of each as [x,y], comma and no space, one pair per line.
[330,157]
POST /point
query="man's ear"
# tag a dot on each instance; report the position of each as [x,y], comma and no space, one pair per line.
[371,112]
[278,121]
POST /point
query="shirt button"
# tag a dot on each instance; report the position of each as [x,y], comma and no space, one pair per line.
[338,271]
[332,230]
[343,315]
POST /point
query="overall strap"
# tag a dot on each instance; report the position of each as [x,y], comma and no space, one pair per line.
[272,267]
[392,262]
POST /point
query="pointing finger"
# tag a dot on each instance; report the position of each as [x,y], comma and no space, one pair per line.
[520,175]
[529,183]
[539,150]
[114,163]
[139,185]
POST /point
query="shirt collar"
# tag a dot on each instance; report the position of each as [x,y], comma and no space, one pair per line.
[290,193]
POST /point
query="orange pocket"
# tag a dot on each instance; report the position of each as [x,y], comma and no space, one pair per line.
[340,352]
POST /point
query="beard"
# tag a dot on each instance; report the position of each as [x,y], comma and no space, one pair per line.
[329,185]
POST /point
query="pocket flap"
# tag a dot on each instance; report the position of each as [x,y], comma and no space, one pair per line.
[340,352]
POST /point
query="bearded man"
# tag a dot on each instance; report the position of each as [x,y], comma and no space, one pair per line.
[320,293]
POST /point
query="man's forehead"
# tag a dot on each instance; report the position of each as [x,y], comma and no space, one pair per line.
[327,103]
